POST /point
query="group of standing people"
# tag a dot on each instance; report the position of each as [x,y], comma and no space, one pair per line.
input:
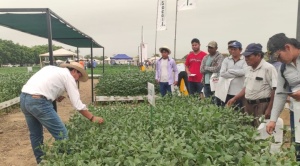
[251,81]
[257,87]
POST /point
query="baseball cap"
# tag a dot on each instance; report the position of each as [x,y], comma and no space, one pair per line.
[235,44]
[276,42]
[252,48]
[212,44]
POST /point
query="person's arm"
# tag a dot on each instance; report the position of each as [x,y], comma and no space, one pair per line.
[187,65]
[269,108]
[278,103]
[223,72]
[236,97]
[73,93]
[91,117]
[202,66]
[272,73]
[215,69]
[238,72]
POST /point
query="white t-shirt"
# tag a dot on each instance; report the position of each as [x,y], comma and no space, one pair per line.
[164,71]
[52,82]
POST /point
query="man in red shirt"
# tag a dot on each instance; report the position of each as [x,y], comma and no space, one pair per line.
[192,68]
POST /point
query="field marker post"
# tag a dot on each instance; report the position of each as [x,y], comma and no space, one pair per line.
[151,100]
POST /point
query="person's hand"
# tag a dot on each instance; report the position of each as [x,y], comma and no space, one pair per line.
[60,98]
[270,127]
[98,120]
[267,114]
[296,95]
[157,81]
[175,83]
[230,102]
[188,73]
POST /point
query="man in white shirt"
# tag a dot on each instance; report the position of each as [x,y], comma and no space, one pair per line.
[45,86]
[164,75]
[234,67]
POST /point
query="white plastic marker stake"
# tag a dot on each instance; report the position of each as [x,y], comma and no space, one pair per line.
[296,109]
[278,134]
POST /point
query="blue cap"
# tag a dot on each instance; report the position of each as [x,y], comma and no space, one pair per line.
[252,48]
[235,44]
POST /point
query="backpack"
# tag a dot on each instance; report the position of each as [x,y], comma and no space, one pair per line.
[286,84]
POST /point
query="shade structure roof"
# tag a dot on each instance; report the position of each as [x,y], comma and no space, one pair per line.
[121,57]
[61,53]
[35,23]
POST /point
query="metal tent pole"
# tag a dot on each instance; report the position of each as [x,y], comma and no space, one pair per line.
[298,22]
[175,30]
[103,62]
[92,72]
[49,29]
[78,62]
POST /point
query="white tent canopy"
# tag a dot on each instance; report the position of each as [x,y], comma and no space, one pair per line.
[59,53]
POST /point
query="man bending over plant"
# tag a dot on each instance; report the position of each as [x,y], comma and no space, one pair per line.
[45,86]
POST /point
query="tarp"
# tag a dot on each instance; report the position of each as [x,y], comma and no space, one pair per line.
[61,53]
[36,24]
[121,57]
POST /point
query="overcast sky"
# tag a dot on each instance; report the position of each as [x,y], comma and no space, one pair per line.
[116,24]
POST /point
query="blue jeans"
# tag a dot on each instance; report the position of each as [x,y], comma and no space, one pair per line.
[195,87]
[164,87]
[39,112]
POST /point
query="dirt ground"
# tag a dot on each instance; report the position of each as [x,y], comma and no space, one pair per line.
[15,148]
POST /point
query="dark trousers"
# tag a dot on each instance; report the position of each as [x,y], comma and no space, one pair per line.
[237,105]
[183,75]
[195,87]
[164,87]
[256,110]
[207,91]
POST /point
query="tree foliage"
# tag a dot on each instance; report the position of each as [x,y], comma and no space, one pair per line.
[15,53]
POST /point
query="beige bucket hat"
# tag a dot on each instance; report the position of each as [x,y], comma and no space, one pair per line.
[75,65]
[164,48]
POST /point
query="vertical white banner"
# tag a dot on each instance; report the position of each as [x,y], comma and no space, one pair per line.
[186,4]
[161,16]
[144,48]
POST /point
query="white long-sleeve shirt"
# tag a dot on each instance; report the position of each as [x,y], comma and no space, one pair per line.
[52,82]
[235,70]
[292,75]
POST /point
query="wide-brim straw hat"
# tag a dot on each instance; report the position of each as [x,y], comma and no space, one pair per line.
[75,65]
[164,48]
